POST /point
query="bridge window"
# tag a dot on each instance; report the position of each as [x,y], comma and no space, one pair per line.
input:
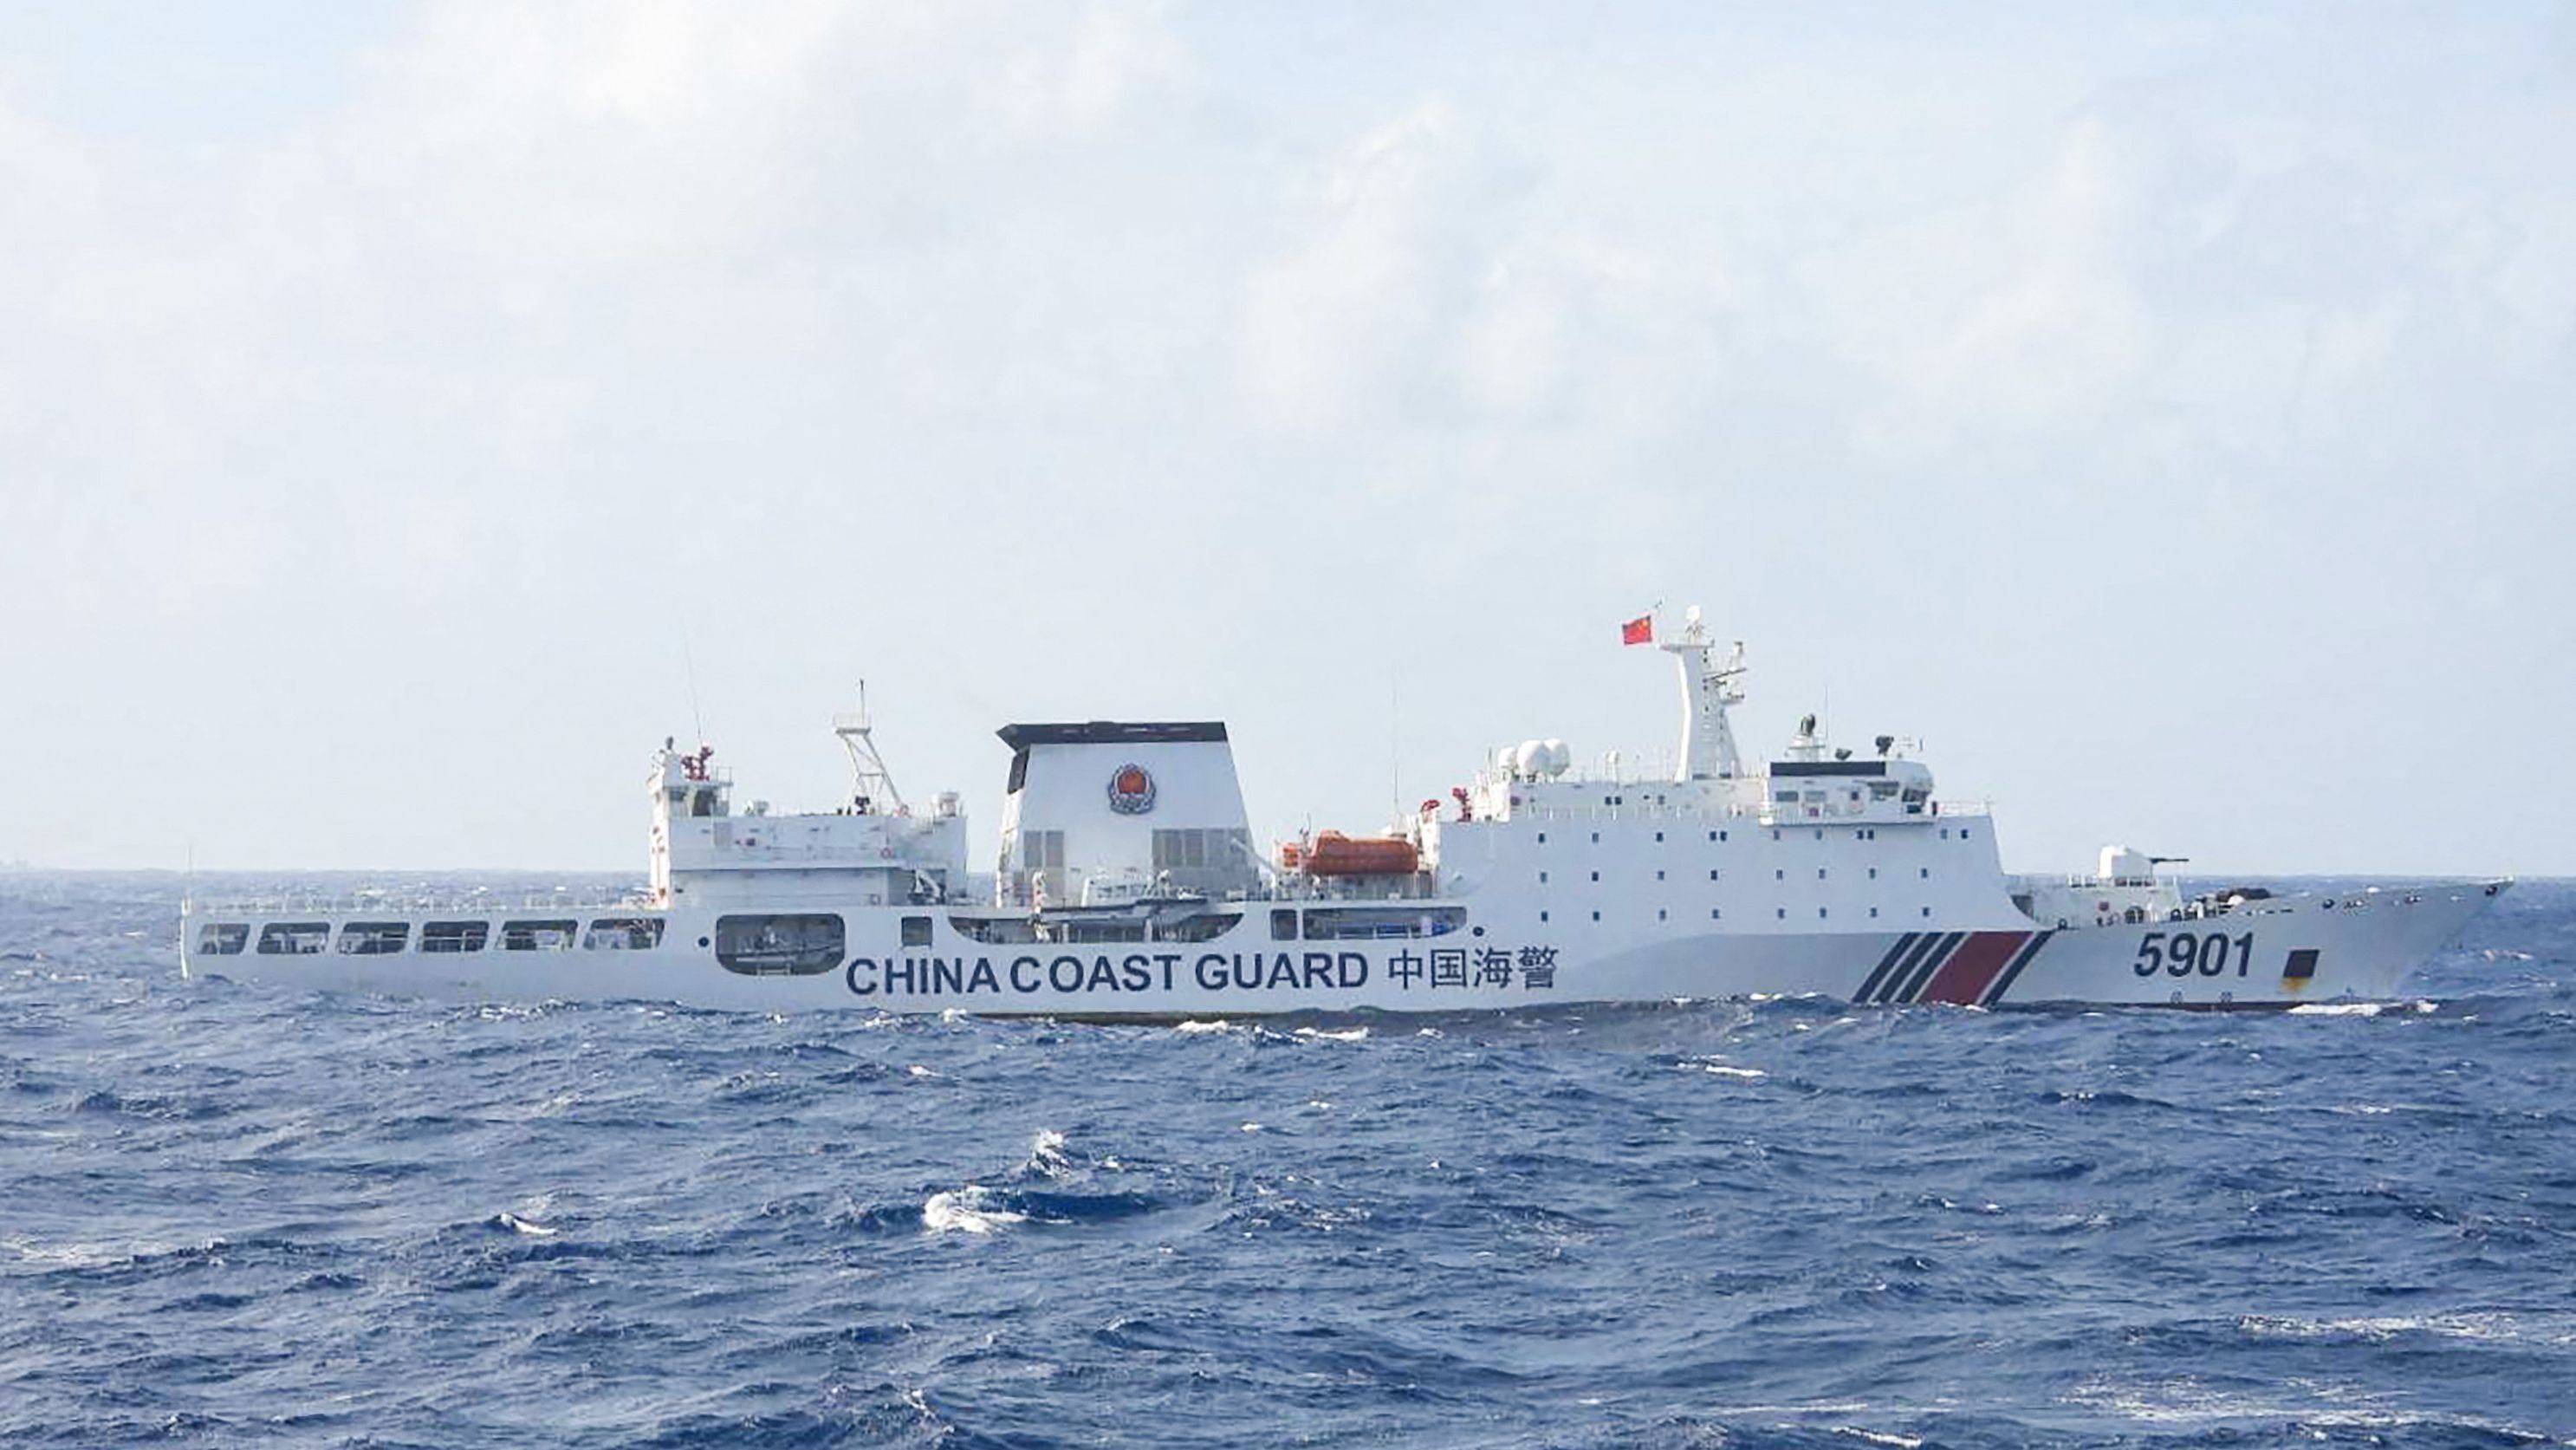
[222,939]
[538,936]
[454,936]
[623,934]
[799,945]
[373,938]
[294,938]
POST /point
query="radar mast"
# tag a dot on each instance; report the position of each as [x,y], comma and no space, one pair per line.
[1708,742]
[872,788]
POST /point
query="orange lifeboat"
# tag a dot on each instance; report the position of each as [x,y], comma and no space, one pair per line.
[1334,854]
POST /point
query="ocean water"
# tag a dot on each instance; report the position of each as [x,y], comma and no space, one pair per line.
[236,1215]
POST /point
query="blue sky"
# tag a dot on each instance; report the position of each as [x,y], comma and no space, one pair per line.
[2163,412]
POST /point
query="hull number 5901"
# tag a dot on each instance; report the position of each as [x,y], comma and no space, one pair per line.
[2179,954]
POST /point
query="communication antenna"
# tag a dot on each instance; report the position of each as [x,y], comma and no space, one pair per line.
[871,784]
[689,665]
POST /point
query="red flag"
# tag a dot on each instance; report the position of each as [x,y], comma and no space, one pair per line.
[1640,630]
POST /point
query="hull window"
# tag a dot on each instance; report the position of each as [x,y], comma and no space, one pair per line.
[802,945]
[373,938]
[1360,923]
[623,934]
[455,936]
[538,936]
[222,939]
[294,938]
[1206,927]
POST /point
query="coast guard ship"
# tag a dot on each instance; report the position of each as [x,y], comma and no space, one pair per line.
[1126,884]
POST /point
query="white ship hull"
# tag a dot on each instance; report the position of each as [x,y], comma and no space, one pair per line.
[2277,953]
[1126,885]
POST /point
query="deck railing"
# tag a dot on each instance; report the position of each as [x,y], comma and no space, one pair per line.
[481,903]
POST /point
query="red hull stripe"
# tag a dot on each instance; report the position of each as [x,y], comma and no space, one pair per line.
[2011,974]
[1917,973]
[1963,979]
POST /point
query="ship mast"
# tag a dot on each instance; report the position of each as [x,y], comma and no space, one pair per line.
[872,788]
[1708,743]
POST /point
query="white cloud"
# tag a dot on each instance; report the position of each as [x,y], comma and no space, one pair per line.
[976,345]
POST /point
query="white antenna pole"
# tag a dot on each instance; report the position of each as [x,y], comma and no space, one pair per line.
[689,663]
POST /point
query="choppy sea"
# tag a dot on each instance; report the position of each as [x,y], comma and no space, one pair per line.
[240,1215]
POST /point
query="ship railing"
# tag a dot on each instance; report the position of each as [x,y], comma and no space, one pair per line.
[473,904]
[1766,813]
[698,853]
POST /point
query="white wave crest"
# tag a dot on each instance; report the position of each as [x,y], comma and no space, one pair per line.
[966,1210]
[1046,1154]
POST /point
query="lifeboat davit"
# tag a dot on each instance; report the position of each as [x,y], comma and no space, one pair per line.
[1334,854]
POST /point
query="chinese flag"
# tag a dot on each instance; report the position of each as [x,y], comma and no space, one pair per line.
[1640,630]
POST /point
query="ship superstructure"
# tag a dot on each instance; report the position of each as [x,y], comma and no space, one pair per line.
[1125,882]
